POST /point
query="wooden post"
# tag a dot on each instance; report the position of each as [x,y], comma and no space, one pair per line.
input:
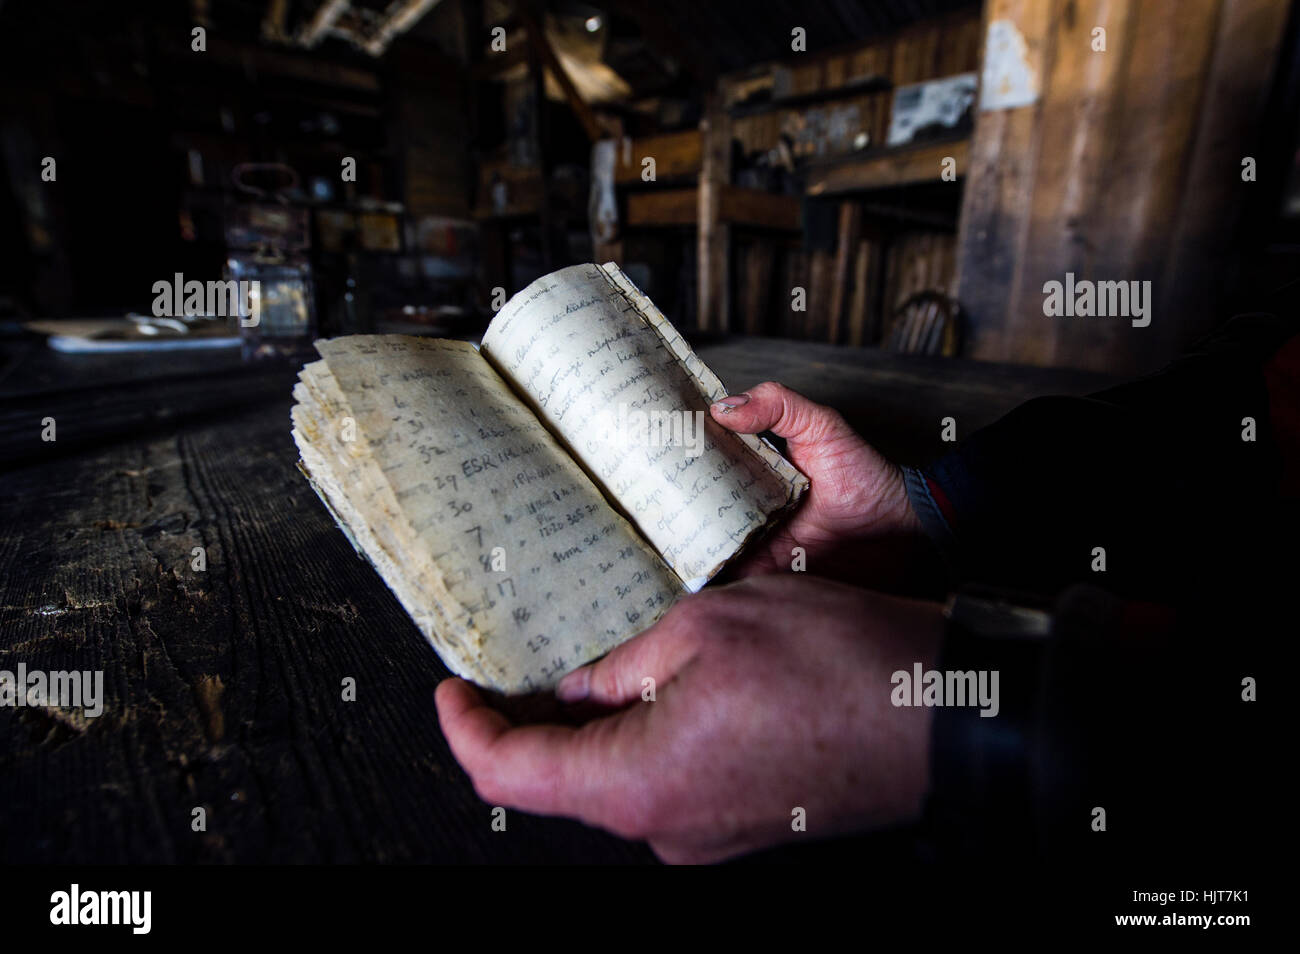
[864,308]
[846,245]
[542,48]
[714,235]
[1126,168]
[755,292]
[538,81]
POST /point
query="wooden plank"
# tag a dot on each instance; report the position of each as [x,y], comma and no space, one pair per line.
[927,45]
[88,417]
[893,399]
[1068,214]
[754,292]
[222,686]
[999,186]
[1089,221]
[676,155]
[797,264]
[936,47]
[906,60]
[663,207]
[240,56]
[541,139]
[537,40]
[1237,88]
[864,311]
[1128,169]
[816,325]
[923,163]
[757,209]
[845,247]
[857,317]
[736,206]
[713,234]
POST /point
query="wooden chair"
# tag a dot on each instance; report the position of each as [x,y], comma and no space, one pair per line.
[929,322]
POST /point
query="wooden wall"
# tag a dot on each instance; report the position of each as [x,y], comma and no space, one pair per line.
[933,48]
[854,291]
[1128,167]
[854,284]
[430,128]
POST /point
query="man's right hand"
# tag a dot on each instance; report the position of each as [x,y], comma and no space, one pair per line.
[857,502]
[769,695]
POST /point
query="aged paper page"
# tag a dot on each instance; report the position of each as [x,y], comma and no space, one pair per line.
[504,552]
[610,375]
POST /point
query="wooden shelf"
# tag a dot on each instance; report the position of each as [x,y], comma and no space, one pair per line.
[676,155]
[508,213]
[859,86]
[738,206]
[905,165]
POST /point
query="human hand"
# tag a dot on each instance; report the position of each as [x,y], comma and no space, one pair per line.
[857,499]
[770,694]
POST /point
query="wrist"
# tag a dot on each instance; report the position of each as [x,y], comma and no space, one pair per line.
[893,512]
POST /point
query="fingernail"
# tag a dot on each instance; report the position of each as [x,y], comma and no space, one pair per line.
[575,686]
[731,401]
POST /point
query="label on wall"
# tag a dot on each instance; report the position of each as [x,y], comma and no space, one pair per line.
[933,106]
[1009,80]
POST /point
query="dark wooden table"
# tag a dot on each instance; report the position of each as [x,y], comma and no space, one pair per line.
[223,688]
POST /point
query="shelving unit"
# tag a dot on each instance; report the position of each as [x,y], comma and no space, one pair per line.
[754,245]
[737,206]
[887,168]
[692,188]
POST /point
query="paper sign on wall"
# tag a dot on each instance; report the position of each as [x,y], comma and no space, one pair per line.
[1009,80]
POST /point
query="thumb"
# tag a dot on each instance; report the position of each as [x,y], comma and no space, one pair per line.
[787,414]
[618,677]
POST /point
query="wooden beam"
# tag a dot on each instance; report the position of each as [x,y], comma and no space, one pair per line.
[845,247]
[910,165]
[537,80]
[866,282]
[758,209]
[537,39]
[275,23]
[996,199]
[713,235]
[756,285]
[663,207]
[736,206]
[676,155]
[401,18]
[322,20]
[237,56]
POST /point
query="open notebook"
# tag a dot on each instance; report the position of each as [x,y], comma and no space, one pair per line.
[539,500]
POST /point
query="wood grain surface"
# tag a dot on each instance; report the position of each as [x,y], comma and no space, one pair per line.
[223,688]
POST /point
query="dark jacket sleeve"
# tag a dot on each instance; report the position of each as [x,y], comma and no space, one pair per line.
[1123,739]
[1160,475]
[1137,701]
